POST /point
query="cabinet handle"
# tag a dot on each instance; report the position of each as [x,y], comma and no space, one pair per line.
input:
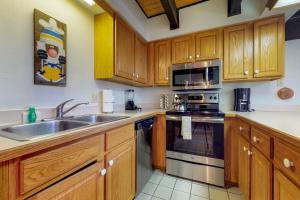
[287,163]
[246,72]
[241,128]
[256,71]
[103,172]
[255,139]
[197,56]
[245,149]
[111,163]
[250,153]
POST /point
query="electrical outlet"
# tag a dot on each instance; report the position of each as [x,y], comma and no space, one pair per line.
[95,98]
[280,82]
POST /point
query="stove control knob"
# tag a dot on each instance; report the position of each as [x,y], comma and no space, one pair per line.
[215,98]
[210,97]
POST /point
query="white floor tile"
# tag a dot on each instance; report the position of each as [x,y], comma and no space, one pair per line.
[168,181]
[178,195]
[143,196]
[234,190]
[155,198]
[235,196]
[163,192]
[156,178]
[149,188]
[217,188]
[217,194]
[183,185]
[194,197]
[200,190]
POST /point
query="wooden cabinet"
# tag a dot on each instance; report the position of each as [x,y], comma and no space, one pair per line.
[141,60]
[162,62]
[238,52]
[261,176]
[159,142]
[86,184]
[120,178]
[244,167]
[183,50]
[208,45]
[284,189]
[269,40]
[124,50]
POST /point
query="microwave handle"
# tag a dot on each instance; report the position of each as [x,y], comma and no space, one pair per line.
[197,119]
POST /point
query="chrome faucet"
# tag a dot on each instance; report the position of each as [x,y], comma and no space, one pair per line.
[60,108]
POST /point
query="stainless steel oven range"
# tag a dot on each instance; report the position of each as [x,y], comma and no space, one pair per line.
[201,156]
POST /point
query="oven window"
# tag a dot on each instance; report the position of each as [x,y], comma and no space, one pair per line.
[207,139]
[213,75]
[189,77]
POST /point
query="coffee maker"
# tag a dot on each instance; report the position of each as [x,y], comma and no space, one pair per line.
[129,104]
[242,99]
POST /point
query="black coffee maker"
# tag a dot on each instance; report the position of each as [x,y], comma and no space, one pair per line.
[242,99]
[129,104]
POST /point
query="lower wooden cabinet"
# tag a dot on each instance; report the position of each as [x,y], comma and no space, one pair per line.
[261,176]
[86,184]
[120,177]
[244,167]
[284,189]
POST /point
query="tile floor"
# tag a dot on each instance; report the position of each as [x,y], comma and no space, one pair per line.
[164,187]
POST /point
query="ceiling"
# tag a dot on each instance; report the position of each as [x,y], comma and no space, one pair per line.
[153,8]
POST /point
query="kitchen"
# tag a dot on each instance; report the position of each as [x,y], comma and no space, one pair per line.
[185,133]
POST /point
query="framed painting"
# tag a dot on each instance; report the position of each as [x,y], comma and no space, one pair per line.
[50,65]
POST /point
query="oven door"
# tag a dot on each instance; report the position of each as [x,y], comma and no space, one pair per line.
[207,136]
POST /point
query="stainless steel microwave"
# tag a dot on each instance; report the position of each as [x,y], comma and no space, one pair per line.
[198,75]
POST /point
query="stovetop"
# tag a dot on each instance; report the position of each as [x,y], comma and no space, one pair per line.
[198,113]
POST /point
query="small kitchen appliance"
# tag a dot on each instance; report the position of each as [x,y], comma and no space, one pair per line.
[107,101]
[129,96]
[195,137]
[242,99]
[204,75]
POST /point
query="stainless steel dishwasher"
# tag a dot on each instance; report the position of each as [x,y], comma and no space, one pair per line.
[144,168]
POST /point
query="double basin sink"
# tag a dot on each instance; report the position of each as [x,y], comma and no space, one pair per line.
[38,130]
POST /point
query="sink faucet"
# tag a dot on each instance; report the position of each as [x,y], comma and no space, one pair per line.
[60,108]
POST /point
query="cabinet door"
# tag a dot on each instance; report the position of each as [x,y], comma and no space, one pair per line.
[269,47]
[208,45]
[261,176]
[183,50]
[238,52]
[141,60]
[162,62]
[244,167]
[124,50]
[86,184]
[284,189]
[120,178]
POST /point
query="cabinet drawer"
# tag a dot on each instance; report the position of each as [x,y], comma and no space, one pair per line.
[43,167]
[287,158]
[244,129]
[119,135]
[261,140]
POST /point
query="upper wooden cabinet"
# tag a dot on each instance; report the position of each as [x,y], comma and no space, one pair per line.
[141,60]
[124,50]
[269,38]
[208,45]
[238,52]
[183,50]
[162,62]
[120,54]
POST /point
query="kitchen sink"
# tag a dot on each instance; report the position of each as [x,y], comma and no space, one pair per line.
[94,119]
[37,130]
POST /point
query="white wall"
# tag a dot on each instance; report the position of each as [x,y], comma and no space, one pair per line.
[16,55]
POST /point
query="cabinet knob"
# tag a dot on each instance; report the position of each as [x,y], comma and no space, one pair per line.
[256,71]
[246,72]
[245,149]
[255,139]
[287,163]
[250,153]
[197,56]
[137,75]
[167,78]
[103,172]
[241,128]
[111,163]
[190,57]
[133,75]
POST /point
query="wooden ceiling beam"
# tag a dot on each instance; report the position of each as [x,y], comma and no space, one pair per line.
[271,3]
[234,7]
[171,12]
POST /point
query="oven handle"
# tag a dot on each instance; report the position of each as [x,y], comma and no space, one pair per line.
[197,119]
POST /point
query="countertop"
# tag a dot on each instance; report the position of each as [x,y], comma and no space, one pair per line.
[284,122]
[11,148]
